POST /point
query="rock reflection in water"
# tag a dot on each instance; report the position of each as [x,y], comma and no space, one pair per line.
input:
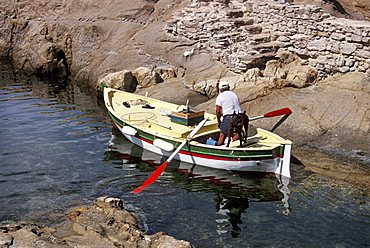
[50,130]
[233,191]
[61,89]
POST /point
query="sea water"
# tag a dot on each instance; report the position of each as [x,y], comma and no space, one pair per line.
[58,150]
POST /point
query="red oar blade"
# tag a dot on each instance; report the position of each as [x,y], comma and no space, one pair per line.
[151,179]
[283,111]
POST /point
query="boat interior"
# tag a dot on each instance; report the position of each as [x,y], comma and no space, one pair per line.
[154,115]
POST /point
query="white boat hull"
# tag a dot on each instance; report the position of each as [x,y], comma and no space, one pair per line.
[266,165]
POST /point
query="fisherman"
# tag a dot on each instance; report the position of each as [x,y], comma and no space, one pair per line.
[227,103]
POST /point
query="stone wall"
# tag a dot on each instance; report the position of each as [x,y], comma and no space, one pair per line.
[245,34]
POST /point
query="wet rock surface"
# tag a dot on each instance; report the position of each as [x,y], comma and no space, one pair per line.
[104,224]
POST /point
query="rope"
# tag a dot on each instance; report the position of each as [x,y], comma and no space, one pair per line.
[139,117]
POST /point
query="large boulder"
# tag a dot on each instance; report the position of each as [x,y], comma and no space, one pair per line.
[289,67]
[147,77]
[169,72]
[121,80]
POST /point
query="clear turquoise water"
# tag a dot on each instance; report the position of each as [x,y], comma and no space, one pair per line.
[58,150]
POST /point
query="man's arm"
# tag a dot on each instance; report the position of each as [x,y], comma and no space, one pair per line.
[218,113]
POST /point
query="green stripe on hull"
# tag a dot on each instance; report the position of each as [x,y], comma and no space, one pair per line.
[241,154]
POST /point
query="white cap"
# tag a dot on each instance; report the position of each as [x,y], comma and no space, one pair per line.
[223,85]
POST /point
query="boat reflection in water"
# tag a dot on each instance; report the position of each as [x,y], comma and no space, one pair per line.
[233,191]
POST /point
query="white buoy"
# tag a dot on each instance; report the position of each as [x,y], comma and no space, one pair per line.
[129,130]
[164,145]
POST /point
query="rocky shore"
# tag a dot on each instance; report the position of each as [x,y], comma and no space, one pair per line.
[313,58]
[103,224]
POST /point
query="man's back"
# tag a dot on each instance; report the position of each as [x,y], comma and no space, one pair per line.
[229,102]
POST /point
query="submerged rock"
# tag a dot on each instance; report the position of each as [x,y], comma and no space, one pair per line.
[104,224]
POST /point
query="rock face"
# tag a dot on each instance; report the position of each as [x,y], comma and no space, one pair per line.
[104,224]
[90,38]
[202,37]
[273,52]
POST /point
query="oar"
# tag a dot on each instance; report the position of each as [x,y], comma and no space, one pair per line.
[151,179]
[283,111]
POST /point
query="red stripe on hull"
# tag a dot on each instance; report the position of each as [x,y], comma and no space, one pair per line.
[200,155]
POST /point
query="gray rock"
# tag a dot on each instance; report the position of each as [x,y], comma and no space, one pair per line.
[362,53]
[349,62]
[317,45]
[338,36]
[343,69]
[356,38]
[348,48]
[283,39]
[340,61]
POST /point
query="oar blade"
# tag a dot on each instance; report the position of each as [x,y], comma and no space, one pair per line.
[161,168]
[151,179]
[283,111]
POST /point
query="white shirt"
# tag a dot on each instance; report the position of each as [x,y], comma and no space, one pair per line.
[229,102]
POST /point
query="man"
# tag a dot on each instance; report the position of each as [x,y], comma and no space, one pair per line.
[227,103]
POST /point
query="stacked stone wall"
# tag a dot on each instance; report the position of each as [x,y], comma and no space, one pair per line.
[247,34]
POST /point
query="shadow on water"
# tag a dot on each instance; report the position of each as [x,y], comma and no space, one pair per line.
[233,191]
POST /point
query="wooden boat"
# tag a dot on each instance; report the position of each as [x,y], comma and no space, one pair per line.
[161,127]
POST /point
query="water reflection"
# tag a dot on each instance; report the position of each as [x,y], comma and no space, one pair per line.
[50,131]
[232,208]
[61,90]
[233,191]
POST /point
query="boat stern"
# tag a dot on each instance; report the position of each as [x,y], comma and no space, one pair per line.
[284,164]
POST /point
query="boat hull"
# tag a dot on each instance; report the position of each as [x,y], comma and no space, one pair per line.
[233,164]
